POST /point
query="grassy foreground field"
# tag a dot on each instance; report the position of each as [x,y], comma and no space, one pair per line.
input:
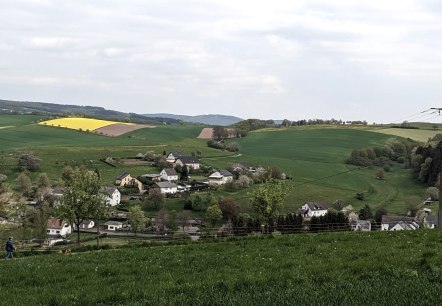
[383,268]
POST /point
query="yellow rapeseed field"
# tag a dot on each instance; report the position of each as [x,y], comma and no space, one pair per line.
[80,123]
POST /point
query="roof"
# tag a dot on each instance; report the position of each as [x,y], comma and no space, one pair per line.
[108,190]
[86,221]
[316,205]
[170,171]
[241,165]
[225,173]
[122,176]
[113,223]
[56,223]
[166,185]
[216,175]
[361,222]
[189,160]
[386,219]
[176,154]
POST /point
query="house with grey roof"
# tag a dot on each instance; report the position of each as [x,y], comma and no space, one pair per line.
[360,225]
[190,161]
[220,177]
[113,225]
[313,209]
[169,174]
[166,187]
[172,156]
[399,223]
[112,195]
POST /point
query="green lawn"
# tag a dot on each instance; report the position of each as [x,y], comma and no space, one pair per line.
[382,268]
[415,134]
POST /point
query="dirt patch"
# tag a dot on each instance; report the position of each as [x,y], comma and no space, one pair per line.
[120,129]
[206,133]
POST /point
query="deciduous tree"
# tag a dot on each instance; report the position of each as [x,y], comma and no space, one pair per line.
[82,198]
[24,184]
[268,199]
[43,181]
[213,214]
[136,218]
[155,199]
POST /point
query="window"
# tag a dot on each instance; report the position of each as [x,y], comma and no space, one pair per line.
[57,232]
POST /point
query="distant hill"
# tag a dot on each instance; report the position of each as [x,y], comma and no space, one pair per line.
[40,108]
[211,119]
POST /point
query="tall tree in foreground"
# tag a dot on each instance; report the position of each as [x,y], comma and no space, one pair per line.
[268,199]
[82,198]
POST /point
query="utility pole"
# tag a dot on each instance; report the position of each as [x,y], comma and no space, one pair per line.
[439,217]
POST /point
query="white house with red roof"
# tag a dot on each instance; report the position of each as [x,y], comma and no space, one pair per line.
[57,227]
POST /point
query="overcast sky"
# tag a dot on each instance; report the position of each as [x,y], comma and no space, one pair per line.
[379,61]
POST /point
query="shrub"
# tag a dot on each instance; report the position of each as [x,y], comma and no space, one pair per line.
[188,204]
[360,196]
[232,147]
[433,193]
[29,162]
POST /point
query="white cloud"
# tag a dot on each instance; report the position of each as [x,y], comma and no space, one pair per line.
[255,58]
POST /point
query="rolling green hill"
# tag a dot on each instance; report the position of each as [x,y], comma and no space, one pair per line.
[383,268]
[305,154]
[311,154]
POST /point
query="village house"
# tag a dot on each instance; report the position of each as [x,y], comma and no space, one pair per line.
[166,187]
[125,180]
[85,224]
[430,221]
[58,227]
[112,194]
[190,161]
[172,156]
[427,220]
[242,168]
[220,177]
[360,225]
[312,209]
[398,223]
[169,174]
[113,225]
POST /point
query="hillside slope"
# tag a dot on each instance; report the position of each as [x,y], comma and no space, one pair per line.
[222,120]
[18,107]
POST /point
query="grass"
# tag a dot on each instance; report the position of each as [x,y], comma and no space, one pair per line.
[415,134]
[308,154]
[384,268]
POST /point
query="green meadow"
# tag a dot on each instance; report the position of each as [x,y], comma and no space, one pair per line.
[381,268]
[415,134]
[313,157]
